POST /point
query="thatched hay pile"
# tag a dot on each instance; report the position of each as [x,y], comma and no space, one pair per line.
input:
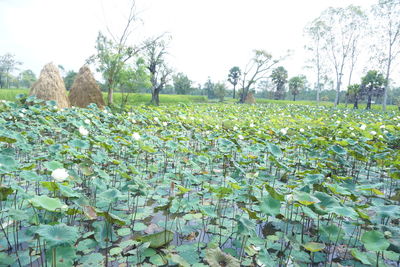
[85,90]
[50,86]
[250,99]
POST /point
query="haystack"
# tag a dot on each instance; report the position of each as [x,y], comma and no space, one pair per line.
[250,99]
[50,86]
[85,90]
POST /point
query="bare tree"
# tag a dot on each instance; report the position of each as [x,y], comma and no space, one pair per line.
[113,52]
[154,55]
[256,69]
[341,32]
[387,14]
[8,64]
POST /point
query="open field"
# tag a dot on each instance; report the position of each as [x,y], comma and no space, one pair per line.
[199,185]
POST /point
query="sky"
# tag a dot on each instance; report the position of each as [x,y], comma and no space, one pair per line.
[208,37]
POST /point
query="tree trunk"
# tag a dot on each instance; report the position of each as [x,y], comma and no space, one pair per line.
[155,97]
[385,89]
[294,97]
[369,102]
[234,90]
[243,96]
[355,104]
[110,92]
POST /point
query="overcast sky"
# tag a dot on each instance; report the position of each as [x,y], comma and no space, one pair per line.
[208,36]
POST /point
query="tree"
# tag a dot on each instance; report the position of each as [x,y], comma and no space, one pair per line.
[209,88]
[113,53]
[233,78]
[182,84]
[296,84]
[341,31]
[69,79]
[27,78]
[387,31]
[353,94]
[220,91]
[279,77]
[8,64]
[154,56]
[316,32]
[256,69]
[372,84]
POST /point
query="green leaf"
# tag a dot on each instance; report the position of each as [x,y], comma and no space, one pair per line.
[53,165]
[5,192]
[270,206]
[157,240]
[216,258]
[273,193]
[59,234]
[157,260]
[374,241]
[339,150]
[47,203]
[314,247]
[305,198]
[361,256]
[275,150]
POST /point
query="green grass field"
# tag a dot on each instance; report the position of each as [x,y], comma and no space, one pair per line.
[141,99]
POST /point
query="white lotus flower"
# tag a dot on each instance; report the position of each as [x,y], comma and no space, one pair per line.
[87,121]
[385,132]
[156,119]
[284,131]
[380,136]
[363,127]
[164,123]
[251,125]
[301,130]
[382,127]
[235,128]
[105,111]
[60,175]
[83,131]
[372,132]
[136,136]
[240,137]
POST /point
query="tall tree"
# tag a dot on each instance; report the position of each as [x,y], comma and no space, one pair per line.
[154,56]
[372,84]
[220,91]
[279,77]
[296,84]
[209,87]
[114,52]
[233,78]
[258,68]
[8,64]
[387,31]
[182,84]
[341,32]
[315,31]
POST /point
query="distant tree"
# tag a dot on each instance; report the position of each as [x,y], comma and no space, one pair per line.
[257,69]
[372,84]
[182,84]
[387,31]
[296,84]
[209,87]
[27,78]
[264,89]
[233,78]
[353,94]
[69,79]
[8,64]
[279,77]
[220,91]
[154,56]
[341,31]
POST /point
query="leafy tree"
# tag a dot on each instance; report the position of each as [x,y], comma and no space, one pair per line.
[279,78]
[27,78]
[154,56]
[8,64]
[341,32]
[387,32]
[69,79]
[296,84]
[372,84]
[220,91]
[353,94]
[256,69]
[182,84]
[233,78]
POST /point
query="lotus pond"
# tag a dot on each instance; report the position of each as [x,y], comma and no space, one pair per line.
[200,185]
